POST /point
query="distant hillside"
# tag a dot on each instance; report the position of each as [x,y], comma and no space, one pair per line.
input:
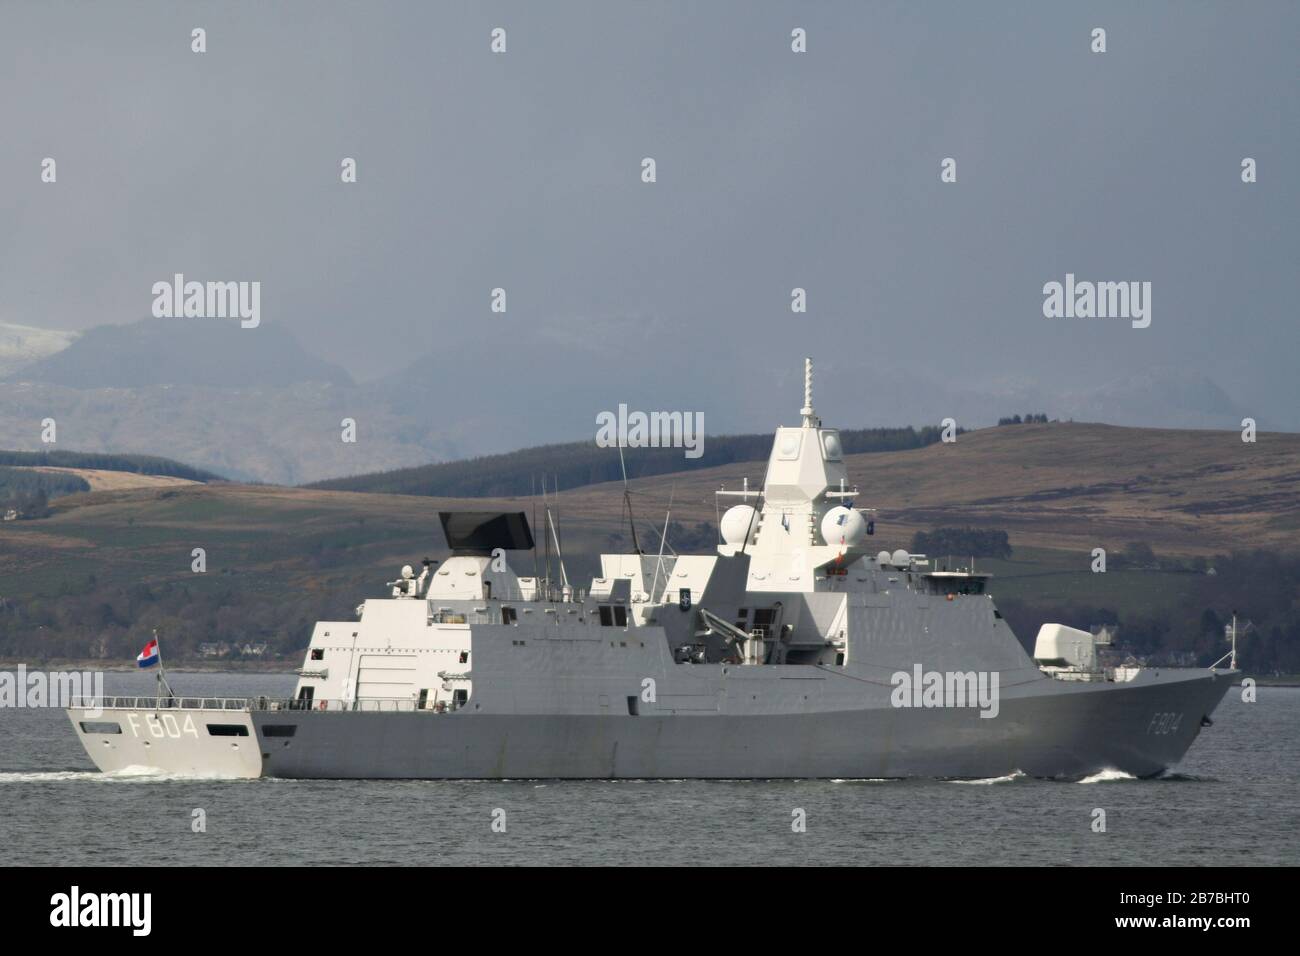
[1055,485]
[181,352]
[135,464]
[281,434]
[256,405]
[29,480]
[578,464]
[22,345]
[250,404]
[106,567]
[28,491]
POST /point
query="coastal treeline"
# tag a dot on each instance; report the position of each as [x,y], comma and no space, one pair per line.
[26,494]
[1261,586]
[82,619]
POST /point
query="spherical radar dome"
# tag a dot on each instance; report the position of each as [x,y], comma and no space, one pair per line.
[843,527]
[737,522]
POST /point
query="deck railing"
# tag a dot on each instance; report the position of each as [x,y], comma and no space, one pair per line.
[250,704]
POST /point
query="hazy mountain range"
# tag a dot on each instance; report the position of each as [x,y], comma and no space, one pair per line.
[255,404]
[22,345]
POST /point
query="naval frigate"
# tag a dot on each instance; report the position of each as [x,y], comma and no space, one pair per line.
[794,651]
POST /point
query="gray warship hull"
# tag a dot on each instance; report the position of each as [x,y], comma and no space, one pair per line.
[1139,728]
[790,652]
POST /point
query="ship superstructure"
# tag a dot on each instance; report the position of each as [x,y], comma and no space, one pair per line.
[795,650]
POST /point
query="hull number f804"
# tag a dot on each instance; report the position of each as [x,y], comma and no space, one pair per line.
[1164,723]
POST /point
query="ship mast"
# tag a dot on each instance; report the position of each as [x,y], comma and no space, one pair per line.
[627,498]
[810,419]
[663,541]
[555,534]
[1232,664]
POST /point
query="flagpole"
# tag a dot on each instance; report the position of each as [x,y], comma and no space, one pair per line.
[162,679]
[157,677]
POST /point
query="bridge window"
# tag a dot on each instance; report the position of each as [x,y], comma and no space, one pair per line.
[318,653]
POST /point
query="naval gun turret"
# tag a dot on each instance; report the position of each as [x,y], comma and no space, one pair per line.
[408,585]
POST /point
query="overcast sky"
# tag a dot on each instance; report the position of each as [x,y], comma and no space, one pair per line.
[775,170]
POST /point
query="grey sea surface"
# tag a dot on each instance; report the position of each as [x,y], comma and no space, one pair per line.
[1235,800]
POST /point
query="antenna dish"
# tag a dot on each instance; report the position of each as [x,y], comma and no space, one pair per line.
[843,526]
[738,522]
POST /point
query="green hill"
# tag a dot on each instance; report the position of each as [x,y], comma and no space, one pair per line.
[578,464]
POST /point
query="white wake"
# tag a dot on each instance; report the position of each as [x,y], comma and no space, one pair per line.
[1105,776]
[132,774]
[987,781]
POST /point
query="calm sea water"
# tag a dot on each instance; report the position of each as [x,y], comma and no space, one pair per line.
[1235,800]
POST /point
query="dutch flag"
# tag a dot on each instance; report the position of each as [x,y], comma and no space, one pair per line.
[149,656]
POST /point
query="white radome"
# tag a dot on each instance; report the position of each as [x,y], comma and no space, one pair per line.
[738,521]
[900,558]
[883,559]
[843,527]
